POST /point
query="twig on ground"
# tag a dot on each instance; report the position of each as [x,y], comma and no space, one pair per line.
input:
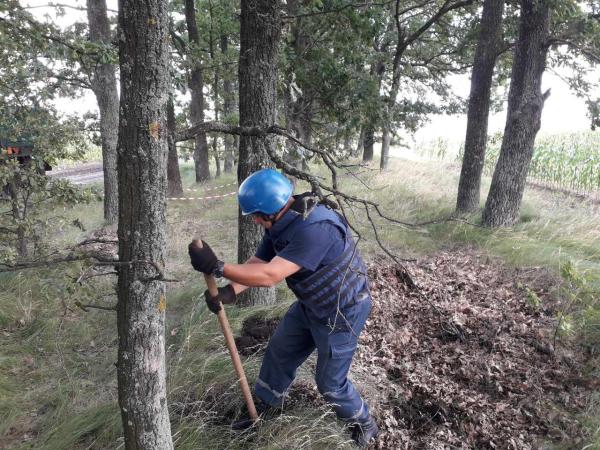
[86,306]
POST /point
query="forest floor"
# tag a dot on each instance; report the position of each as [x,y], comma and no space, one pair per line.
[466,360]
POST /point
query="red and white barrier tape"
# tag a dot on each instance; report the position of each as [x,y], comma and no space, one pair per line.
[212,188]
[203,198]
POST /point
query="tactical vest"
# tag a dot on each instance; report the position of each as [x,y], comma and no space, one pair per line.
[332,286]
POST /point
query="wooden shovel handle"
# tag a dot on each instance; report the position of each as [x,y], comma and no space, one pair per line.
[211,283]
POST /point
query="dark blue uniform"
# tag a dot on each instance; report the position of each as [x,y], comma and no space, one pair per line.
[332,308]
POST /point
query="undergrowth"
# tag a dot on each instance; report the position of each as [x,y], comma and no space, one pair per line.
[57,373]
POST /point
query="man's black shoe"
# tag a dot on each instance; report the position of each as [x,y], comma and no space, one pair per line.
[265,412]
[363,433]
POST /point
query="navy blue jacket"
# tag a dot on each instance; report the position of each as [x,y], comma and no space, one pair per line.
[330,286]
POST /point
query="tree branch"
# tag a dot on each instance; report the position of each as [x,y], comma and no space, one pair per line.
[62,5]
[337,10]
[85,307]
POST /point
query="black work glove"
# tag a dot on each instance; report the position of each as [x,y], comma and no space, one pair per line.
[203,259]
[226,296]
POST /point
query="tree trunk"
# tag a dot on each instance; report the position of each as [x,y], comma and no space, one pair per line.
[142,163]
[360,144]
[215,146]
[196,84]
[368,142]
[523,120]
[385,148]
[175,189]
[347,149]
[104,85]
[228,112]
[259,39]
[292,153]
[215,140]
[490,39]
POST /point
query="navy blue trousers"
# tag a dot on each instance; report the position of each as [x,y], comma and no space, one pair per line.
[296,338]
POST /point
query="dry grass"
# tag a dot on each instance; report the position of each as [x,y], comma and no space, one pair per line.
[57,377]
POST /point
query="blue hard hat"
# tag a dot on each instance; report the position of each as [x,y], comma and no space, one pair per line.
[265,191]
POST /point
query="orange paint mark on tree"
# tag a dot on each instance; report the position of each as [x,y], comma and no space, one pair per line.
[162,303]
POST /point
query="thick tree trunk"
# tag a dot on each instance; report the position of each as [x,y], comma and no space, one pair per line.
[368,143]
[228,112]
[259,39]
[523,120]
[196,84]
[175,189]
[142,163]
[490,38]
[104,85]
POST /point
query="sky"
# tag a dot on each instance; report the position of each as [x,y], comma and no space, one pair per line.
[563,110]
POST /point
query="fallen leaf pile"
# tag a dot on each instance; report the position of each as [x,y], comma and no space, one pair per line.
[465,361]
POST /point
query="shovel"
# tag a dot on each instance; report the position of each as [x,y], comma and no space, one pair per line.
[211,284]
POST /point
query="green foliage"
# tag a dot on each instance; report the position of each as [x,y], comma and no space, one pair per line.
[28,66]
[581,308]
[567,161]
[25,222]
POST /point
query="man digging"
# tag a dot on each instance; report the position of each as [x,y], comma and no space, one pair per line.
[311,247]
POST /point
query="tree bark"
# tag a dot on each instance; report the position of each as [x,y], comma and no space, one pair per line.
[142,163]
[488,45]
[104,86]
[523,120]
[215,146]
[228,112]
[196,84]
[360,144]
[215,138]
[368,143]
[385,147]
[259,39]
[175,188]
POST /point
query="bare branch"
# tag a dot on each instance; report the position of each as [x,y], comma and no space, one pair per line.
[97,241]
[85,307]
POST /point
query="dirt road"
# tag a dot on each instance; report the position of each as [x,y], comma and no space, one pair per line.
[82,174]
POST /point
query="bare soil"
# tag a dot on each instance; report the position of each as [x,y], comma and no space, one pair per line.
[465,361]
[255,334]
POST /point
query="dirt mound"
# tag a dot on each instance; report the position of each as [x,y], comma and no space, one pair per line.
[255,334]
[467,362]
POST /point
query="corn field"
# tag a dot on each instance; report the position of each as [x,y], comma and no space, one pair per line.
[568,162]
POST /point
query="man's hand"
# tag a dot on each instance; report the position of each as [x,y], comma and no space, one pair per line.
[203,259]
[226,296]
